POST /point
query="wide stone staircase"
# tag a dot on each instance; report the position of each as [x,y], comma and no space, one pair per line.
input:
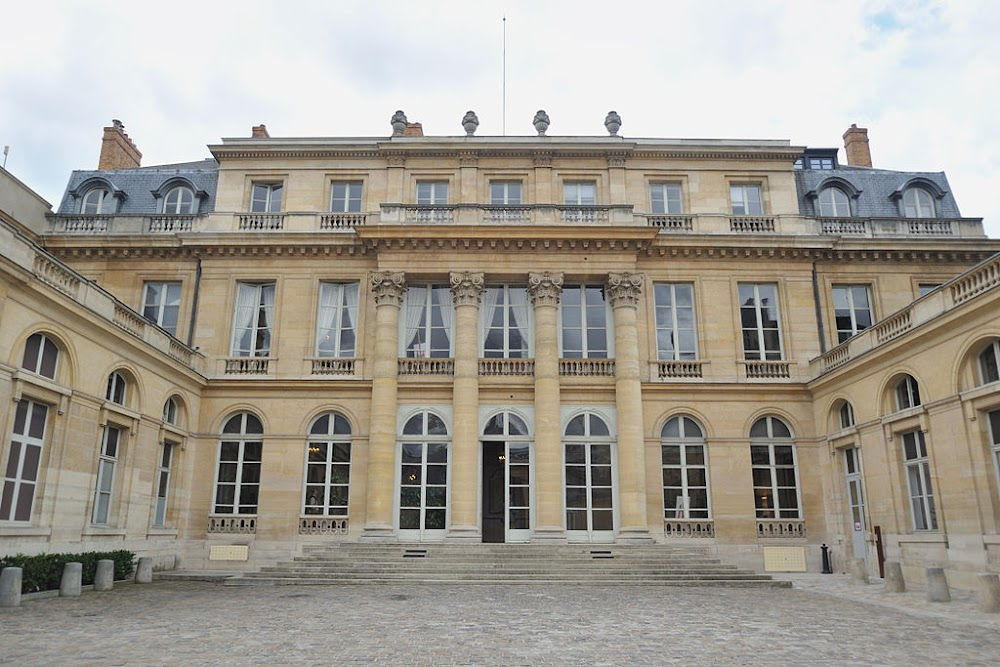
[645,565]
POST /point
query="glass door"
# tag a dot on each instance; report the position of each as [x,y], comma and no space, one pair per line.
[855,502]
[589,475]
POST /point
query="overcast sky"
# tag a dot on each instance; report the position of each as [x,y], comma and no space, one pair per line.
[922,75]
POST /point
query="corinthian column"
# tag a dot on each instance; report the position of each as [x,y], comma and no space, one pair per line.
[388,289]
[466,289]
[623,291]
[545,289]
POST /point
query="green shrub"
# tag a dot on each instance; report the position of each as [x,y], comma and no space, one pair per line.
[44,571]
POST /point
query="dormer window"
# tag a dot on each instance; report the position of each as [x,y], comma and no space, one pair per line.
[96,202]
[179,201]
[918,203]
[834,203]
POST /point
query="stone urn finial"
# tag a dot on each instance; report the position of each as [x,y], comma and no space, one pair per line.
[541,122]
[470,122]
[398,123]
[613,122]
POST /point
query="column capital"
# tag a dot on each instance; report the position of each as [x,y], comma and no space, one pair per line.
[467,288]
[545,288]
[388,287]
[624,289]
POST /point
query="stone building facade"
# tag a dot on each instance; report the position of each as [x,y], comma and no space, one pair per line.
[739,344]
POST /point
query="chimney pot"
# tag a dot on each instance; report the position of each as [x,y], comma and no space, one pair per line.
[413,130]
[856,146]
[259,132]
[117,150]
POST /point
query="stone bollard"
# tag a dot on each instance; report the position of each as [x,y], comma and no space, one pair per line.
[859,573]
[144,570]
[937,585]
[72,576]
[894,582]
[10,587]
[989,593]
[104,578]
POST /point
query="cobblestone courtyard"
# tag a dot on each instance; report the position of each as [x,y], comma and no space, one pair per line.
[820,622]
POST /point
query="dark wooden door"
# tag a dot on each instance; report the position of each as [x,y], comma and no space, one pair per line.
[494,491]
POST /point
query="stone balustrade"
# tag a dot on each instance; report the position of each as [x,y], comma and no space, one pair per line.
[260,222]
[341,222]
[426,366]
[752,224]
[587,368]
[247,365]
[242,525]
[129,320]
[506,367]
[777,528]
[333,365]
[767,370]
[688,528]
[170,224]
[324,525]
[677,369]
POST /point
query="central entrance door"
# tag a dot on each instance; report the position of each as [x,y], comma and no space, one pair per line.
[494,490]
[506,480]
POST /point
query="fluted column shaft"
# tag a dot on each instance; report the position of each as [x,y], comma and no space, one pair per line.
[388,289]
[467,289]
[623,291]
[545,290]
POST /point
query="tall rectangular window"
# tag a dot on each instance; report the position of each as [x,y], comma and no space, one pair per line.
[675,334]
[580,193]
[429,321]
[852,310]
[918,479]
[745,199]
[665,198]
[759,320]
[584,322]
[161,304]
[994,426]
[253,320]
[345,197]
[21,476]
[266,198]
[163,484]
[505,193]
[336,332]
[430,193]
[107,461]
[505,322]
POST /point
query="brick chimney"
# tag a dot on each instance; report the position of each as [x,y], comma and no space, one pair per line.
[856,146]
[259,132]
[413,130]
[117,150]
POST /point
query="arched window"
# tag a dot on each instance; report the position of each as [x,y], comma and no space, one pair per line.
[97,201]
[846,414]
[40,355]
[989,363]
[506,507]
[775,478]
[834,203]
[179,201]
[907,393]
[237,480]
[170,411]
[423,479]
[328,466]
[685,470]
[589,476]
[918,203]
[117,391]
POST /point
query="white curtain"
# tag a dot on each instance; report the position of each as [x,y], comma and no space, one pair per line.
[246,306]
[351,304]
[519,314]
[447,313]
[329,300]
[416,304]
[267,303]
[490,297]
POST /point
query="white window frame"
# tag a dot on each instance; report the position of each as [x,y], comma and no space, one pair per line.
[160,297]
[507,433]
[107,462]
[918,203]
[336,437]
[845,300]
[580,193]
[27,442]
[117,389]
[179,200]
[241,439]
[684,433]
[746,198]
[665,198]
[506,193]
[988,363]
[993,428]
[846,414]
[432,193]
[588,439]
[258,299]
[332,332]
[834,203]
[345,196]
[46,356]
[425,440]
[498,298]
[759,331]
[668,321]
[907,393]
[773,489]
[588,349]
[170,411]
[418,321]
[163,484]
[265,197]
[923,511]
[96,201]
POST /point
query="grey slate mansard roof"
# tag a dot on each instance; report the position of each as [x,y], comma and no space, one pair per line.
[139,185]
[877,186]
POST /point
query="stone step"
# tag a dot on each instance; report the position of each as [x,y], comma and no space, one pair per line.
[297,581]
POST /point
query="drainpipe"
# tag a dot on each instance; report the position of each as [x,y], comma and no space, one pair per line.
[197,289]
[819,311]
